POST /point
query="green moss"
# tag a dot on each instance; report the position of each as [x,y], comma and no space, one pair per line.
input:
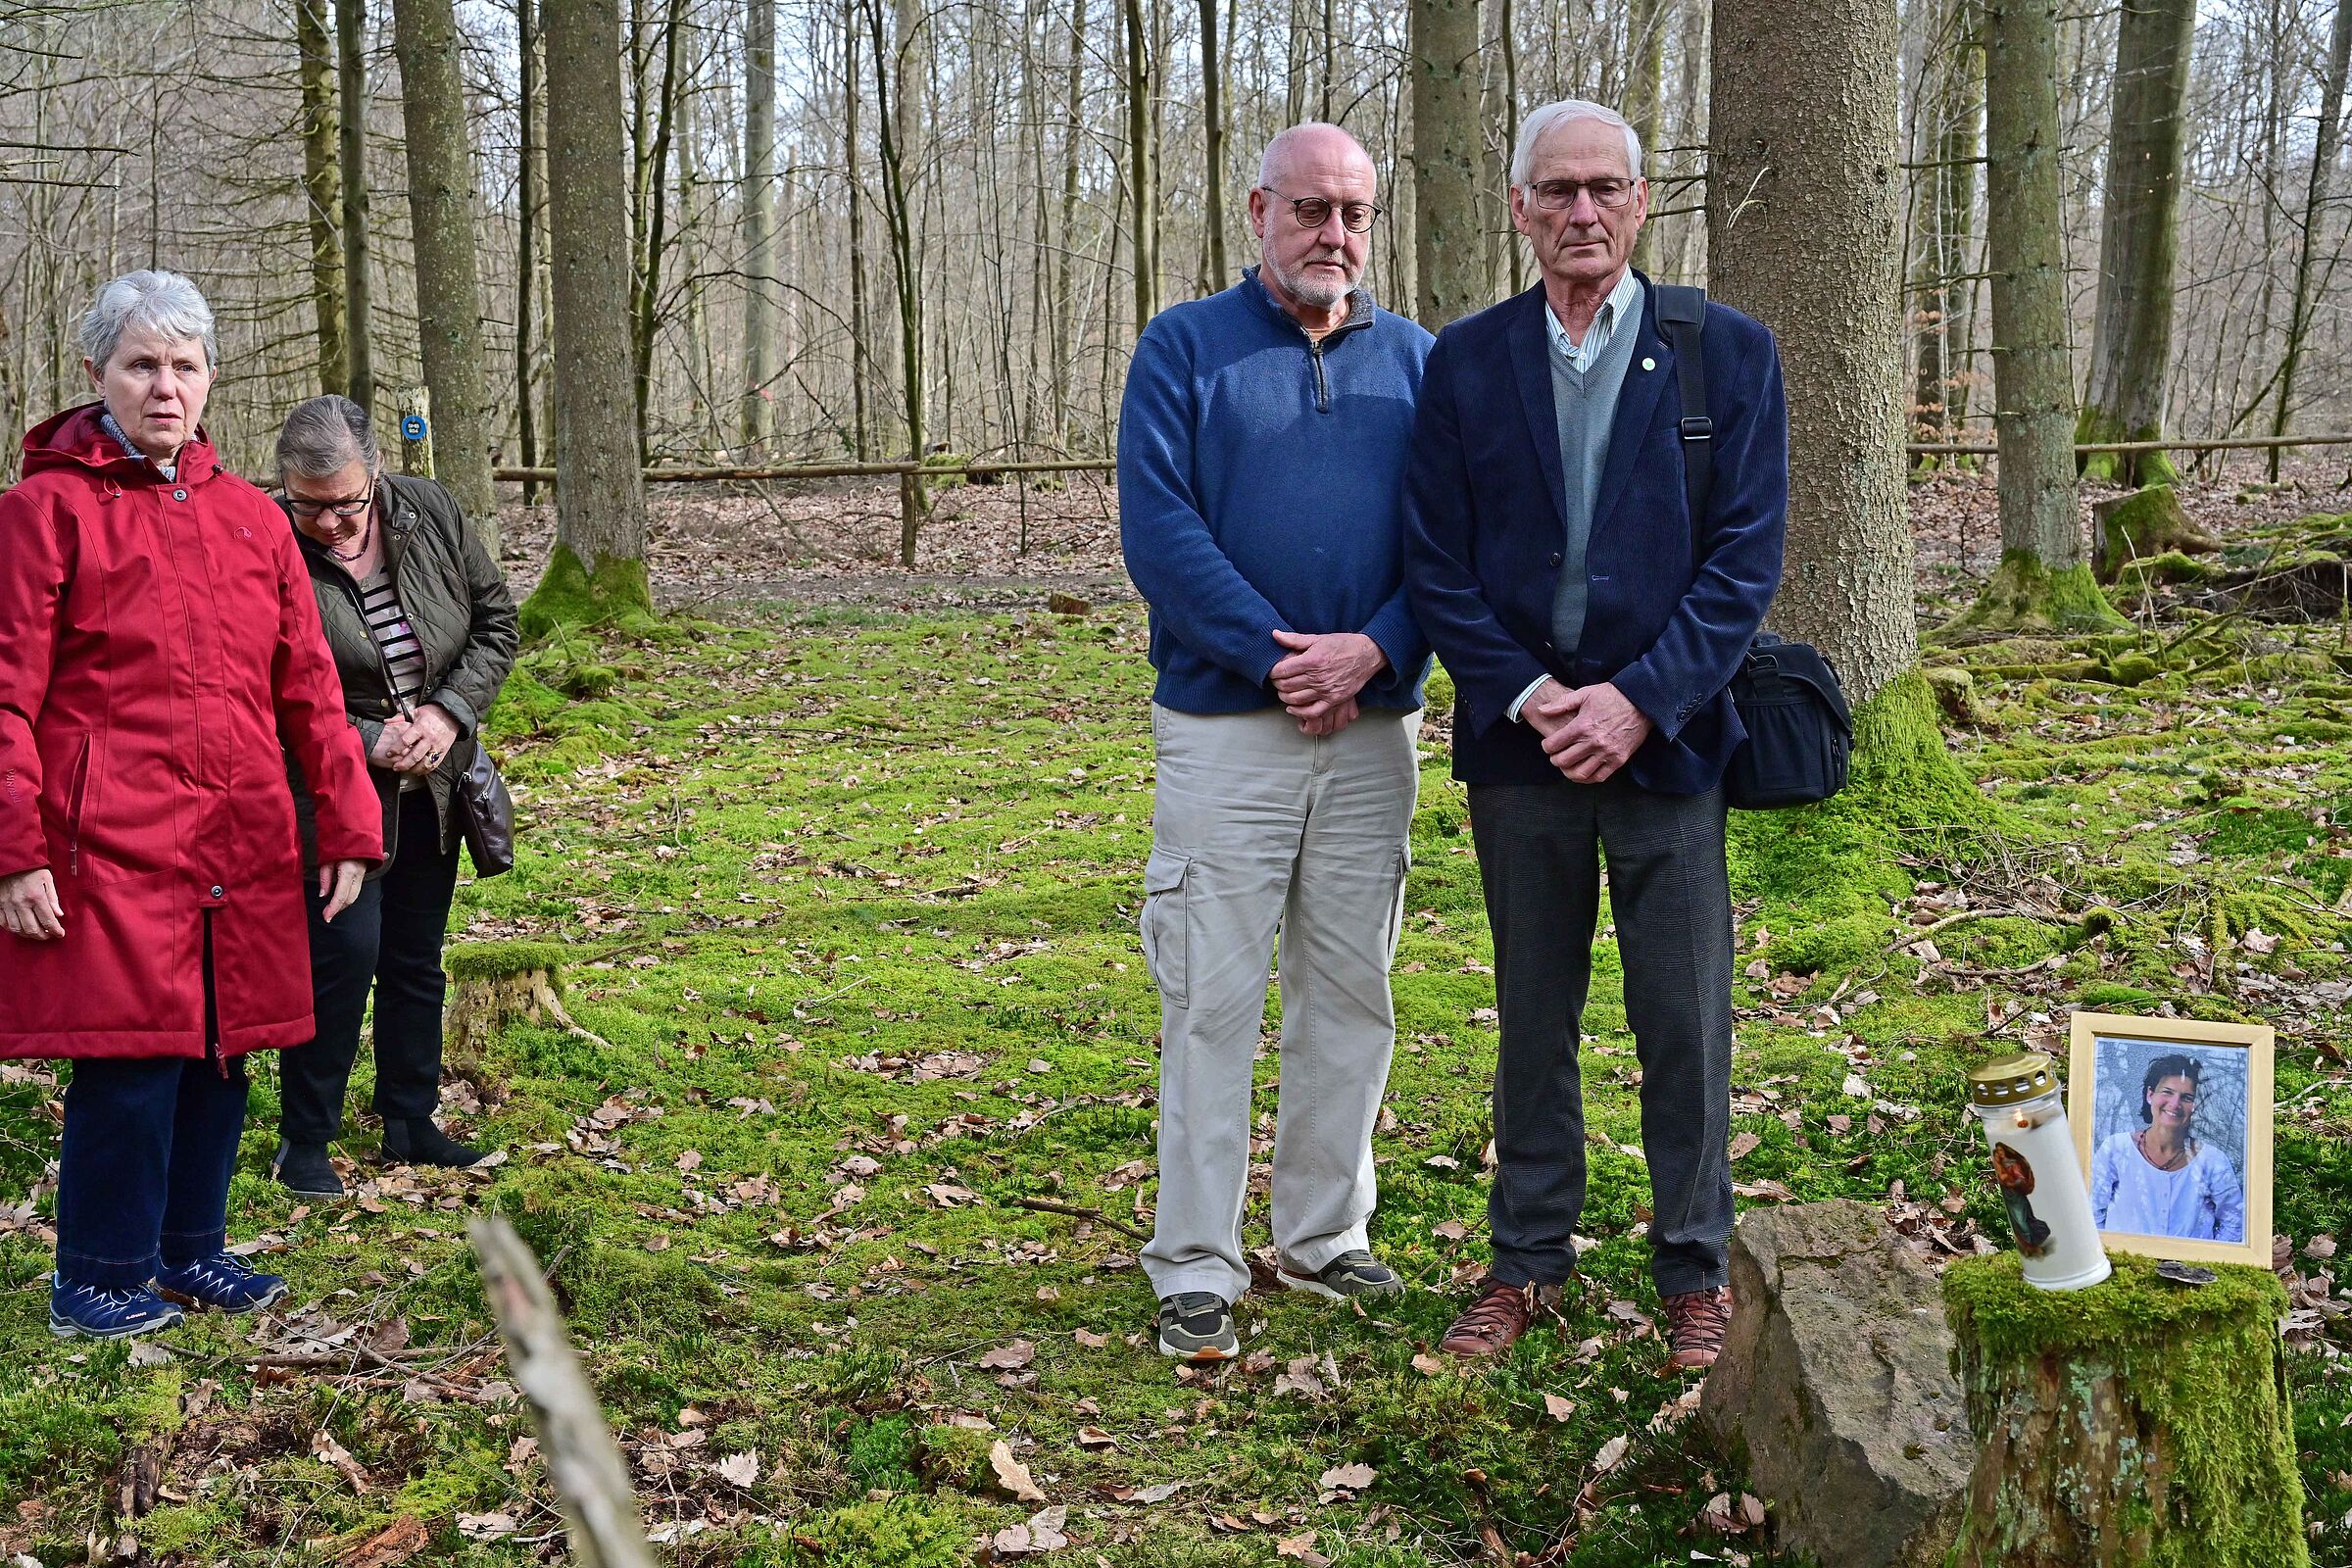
[2108,996]
[955,1457]
[891,1532]
[2201,1370]
[2171,567]
[495,960]
[2024,595]
[2132,669]
[570,593]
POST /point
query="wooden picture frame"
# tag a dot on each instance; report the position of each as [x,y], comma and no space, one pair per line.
[2233,1063]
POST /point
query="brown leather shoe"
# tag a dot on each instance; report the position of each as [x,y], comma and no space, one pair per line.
[1697,1321]
[1493,1323]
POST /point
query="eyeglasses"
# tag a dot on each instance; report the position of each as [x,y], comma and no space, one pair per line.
[1313,211]
[1558,195]
[305,508]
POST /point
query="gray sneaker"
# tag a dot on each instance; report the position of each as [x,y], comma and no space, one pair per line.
[1197,1326]
[1356,1273]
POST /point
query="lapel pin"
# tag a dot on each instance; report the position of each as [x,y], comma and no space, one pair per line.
[1649,363]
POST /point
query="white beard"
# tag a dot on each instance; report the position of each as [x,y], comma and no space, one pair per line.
[1312,289]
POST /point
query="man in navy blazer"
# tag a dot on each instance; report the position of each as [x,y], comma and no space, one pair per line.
[1591,625]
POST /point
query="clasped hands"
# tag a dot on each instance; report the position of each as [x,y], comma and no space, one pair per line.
[1588,732]
[416,742]
[1318,679]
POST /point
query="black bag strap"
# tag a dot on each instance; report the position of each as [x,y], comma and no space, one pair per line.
[1683,317]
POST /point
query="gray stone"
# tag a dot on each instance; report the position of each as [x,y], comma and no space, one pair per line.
[1836,1388]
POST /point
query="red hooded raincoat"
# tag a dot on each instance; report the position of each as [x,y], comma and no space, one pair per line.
[157,641]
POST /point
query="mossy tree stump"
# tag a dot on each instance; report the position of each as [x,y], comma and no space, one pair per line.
[2135,1423]
[2146,523]
[495,983]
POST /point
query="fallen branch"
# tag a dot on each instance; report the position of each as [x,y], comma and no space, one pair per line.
[1077,1211]
[1925,932]
[584,1467]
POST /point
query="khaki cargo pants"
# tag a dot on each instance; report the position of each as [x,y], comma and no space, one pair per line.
[1258,829]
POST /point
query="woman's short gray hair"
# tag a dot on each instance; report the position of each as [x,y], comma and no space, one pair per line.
[1540,121]
[324,436]
[164,303]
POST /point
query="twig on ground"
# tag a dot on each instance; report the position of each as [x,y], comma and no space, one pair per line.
[1078,1211]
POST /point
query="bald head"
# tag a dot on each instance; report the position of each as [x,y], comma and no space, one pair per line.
[1312,151]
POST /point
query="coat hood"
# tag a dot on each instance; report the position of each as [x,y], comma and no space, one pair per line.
[75,439]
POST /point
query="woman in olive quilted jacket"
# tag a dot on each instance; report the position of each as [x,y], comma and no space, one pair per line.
[423,632]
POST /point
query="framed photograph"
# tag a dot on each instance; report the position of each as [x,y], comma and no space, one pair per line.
[2171,1119]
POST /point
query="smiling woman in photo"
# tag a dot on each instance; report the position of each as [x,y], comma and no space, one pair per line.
[2160,1179]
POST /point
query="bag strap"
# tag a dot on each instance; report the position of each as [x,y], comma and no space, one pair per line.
[1683,317]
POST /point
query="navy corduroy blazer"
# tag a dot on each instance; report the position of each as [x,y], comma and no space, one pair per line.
[1673,602]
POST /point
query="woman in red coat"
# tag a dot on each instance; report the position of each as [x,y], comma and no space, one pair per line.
[158,637]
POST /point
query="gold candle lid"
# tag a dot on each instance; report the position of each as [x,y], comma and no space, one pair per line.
[2012,1080]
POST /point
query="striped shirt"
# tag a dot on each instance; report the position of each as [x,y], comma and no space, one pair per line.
[404,654]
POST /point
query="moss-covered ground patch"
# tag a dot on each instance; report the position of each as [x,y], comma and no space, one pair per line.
[848,907]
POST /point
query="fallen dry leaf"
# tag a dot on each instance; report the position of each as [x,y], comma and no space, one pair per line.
[1743,1144]
[1040,1533]
[1302,1546]
[1611,1455]
[1559,1409]
[395,1544]
[739,1469]
[487,1526]
[1090,1339]
[1096,1438]
[1009,1358]
[1352,1477]
[1428,1365]
[1011,1474]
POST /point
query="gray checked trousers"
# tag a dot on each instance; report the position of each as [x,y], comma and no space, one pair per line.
[1670,895]
[1257,829]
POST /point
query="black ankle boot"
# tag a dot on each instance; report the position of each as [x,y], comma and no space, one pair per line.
[304,1170]
[418,1142]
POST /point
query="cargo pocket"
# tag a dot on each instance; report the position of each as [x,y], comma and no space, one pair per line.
[1404,863]
[1165,926]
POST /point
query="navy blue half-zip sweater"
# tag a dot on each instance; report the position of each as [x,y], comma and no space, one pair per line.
[1260,489]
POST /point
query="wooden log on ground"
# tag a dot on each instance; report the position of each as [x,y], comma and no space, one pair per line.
[495,983]
[584,1466]
[2136,1424]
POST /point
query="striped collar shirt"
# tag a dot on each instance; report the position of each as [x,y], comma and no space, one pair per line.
[1624,300]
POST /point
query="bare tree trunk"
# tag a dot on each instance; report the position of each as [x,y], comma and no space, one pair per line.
[322,187]
[2131,339]
[852,92]
[1066,319]
[1138,164]
[2044,578]
[1449,258]
[2315,211]
[1644,97]
[1800,145]
[350,41]
[449,302]
[598,568]
[913,503]
[531,175]
[1213,110]
[1508,26]
[654,237]
[1959,151]
[759,220]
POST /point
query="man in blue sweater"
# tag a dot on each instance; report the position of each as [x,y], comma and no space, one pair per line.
[1262,445]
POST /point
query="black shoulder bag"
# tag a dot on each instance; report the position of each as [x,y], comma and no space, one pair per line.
[1800,738]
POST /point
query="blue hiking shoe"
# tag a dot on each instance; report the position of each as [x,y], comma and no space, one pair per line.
[96,1312]
[221,1282]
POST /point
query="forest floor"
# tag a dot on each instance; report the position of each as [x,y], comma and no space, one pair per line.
[852,891]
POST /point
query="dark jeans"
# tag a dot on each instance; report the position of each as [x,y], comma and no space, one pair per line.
[1670,894]
[388,941]
[143,1172]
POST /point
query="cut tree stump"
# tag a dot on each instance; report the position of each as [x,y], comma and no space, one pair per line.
[495,983]
[2143,525]
[2135,1423]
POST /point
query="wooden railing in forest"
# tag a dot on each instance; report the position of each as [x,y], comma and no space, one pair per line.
[987,470]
